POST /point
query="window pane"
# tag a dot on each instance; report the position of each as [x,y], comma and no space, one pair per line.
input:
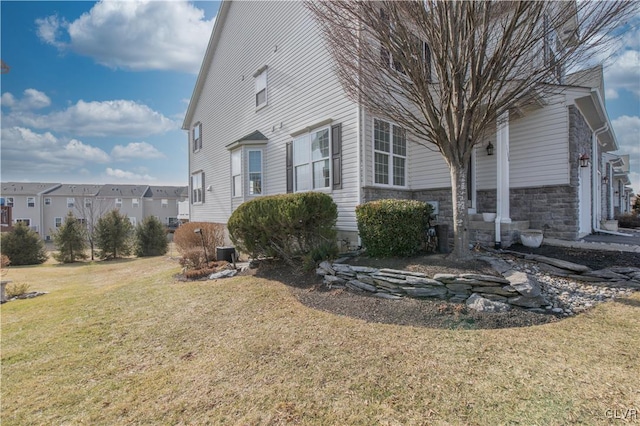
[301,150]
[399,141]
[255,183]
[320,145]
[236,165]
[302,178]
[398,171]
[237,186]
[381,165]
[321,174]
[255,161]
[381,135]
[261,97]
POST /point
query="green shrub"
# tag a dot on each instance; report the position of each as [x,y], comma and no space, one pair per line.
[285,226]
[392,227]
[151,238]
[211,234]
[23,246]
[70,240]
[113,235]
[629,220]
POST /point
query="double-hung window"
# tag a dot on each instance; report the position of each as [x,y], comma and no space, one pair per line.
[389,154]
[135,202]
[261,87]
[196,136]
[164,202]
[311,160]
[9,201]
[236,173]
[197,183]
[31,201]
[118,202]
[71,202]
[47,201]
[87,203]
[58,222]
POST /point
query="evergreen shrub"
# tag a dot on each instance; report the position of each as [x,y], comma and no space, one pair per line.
[286,226]
[151,238]
[393,227]
[114,235]
[70,240]
[23,246]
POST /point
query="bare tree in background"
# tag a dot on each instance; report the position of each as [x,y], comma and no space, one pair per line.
[448,71]
[90,209]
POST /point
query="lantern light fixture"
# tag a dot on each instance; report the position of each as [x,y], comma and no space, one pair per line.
[490,148]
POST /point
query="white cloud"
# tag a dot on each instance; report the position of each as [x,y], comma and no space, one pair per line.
[136,35]
[136,150]
[125,175]
[623,74]
[107,118]
[32,99]
[23,149]
[627,131]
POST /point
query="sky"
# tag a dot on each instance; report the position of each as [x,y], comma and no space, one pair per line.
[97,91]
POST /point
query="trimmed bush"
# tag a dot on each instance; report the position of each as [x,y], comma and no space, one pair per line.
[151,238]
[186,240]
[393,227]
[285,226]
[23,246]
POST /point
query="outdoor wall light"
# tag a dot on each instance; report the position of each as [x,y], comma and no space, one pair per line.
[584,160]
[605,179]
[490,148]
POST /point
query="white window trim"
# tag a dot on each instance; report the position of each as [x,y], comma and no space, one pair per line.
[55,222]
[164,202]
[47,201]
[118,202]
[10,201]
[22,220]
[71,203]
[262,83]
[87,202]
[236,190]
[391,156]
[261,151]
[196,184]
[310,161]
[135,202]
[34,202]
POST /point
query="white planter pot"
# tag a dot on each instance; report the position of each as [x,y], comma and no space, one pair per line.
[531,238]
[489,217]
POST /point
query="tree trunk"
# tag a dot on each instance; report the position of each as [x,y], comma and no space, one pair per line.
[460,213]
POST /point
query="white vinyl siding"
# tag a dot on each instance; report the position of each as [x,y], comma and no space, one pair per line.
[247,42]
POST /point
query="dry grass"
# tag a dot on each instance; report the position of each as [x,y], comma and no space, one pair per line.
[122,343]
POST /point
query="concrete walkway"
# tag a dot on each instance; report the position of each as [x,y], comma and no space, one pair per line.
[630,243]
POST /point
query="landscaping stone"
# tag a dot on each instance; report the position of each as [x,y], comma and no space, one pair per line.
[226,273]
[524,283]
[363,286]
[482,304]
[425,292]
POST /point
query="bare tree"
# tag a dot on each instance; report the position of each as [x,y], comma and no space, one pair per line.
[89,210]
[448,71]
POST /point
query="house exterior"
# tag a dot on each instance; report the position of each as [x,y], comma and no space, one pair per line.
[25,202]
[268,116]
[44,206]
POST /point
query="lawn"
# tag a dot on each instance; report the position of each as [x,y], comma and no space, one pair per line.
[121,342]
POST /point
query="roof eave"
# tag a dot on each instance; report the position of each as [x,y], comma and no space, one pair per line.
[206,62]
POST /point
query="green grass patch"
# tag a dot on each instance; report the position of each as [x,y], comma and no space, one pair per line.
[121,342]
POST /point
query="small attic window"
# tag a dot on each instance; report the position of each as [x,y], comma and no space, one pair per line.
[261,87]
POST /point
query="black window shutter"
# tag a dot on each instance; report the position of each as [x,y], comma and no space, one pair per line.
[203,189]
[191,189]
[289,167]
[192,139]
[200,138]
[427,61]
[336,155]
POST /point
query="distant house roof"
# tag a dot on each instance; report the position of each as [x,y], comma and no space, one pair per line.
[70,190]
[26,188]
[122,190]
[166,192]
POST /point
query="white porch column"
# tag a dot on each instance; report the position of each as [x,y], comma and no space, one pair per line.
[502,151]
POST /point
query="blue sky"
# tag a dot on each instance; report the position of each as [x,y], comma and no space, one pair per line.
[96,92]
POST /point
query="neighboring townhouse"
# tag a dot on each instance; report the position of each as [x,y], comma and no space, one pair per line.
[44,206]
[25,202]
[58,202]
[162,202]
[268,116]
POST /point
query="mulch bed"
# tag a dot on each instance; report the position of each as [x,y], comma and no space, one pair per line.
[309,290]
